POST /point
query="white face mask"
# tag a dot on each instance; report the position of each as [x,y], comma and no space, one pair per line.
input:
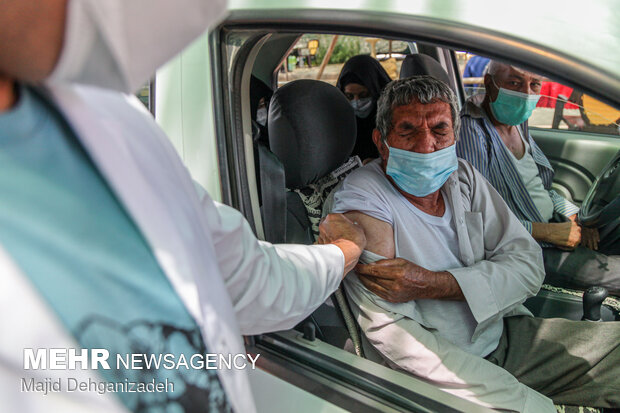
[261,116]
[362,107]
[118,44]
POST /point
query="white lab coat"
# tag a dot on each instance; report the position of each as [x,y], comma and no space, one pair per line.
[230,282]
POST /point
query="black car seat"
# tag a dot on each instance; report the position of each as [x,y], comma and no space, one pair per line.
[421,64]
[312,131]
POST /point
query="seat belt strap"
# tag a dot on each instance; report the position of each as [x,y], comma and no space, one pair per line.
[273,190]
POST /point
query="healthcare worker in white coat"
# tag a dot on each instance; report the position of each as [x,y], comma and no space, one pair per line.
[105,241]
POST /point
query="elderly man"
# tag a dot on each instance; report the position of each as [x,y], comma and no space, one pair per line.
[495,140]
[448,266]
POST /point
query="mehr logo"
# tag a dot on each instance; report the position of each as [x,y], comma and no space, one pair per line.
[96,358]
[65,359]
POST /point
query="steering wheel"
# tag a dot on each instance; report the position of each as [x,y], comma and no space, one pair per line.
[601,205]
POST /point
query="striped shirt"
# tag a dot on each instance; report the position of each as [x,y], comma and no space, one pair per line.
[481,145]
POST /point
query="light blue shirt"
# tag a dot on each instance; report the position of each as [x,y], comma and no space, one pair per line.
[66,230]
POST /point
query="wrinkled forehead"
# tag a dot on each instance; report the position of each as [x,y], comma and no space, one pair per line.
[416,107]
[505,70]
[417,112]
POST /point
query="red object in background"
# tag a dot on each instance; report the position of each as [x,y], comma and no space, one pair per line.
[549,93]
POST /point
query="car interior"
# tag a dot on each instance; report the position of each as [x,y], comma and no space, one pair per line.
[289,164]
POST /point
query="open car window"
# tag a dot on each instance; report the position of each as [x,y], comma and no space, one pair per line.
[560,106]
[317,343]
[321,56]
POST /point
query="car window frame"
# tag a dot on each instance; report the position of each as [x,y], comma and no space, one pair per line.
[240,129]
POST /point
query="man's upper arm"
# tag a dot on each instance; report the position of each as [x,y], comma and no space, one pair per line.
[379,234]
[360,197]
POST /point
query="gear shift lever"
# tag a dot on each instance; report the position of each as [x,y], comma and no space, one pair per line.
[592,300]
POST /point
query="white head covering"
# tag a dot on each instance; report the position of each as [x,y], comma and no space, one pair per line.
[118,44]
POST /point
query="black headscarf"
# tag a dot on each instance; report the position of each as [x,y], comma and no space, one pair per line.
[421,64]
[365,70]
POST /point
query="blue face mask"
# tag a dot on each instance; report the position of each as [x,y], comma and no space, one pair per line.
[420,174]
[513,108]
[362,107]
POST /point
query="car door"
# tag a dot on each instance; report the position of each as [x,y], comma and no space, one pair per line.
[577,155]
[211,80]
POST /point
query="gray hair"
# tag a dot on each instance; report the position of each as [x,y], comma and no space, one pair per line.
[493,67]
[425,89]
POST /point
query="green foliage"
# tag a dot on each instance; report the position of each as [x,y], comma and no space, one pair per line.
[346,47]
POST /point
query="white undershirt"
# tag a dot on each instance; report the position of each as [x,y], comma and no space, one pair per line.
[428,241]
[528,170]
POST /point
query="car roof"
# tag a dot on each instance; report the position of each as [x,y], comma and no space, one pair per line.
[573,41]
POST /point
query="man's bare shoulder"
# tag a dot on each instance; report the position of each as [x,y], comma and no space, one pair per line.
[366,197]
[379,234]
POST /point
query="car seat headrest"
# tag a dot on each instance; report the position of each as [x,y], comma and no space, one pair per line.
[312,130]
[420,64]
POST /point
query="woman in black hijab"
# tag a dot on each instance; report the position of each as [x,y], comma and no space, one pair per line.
[361,80]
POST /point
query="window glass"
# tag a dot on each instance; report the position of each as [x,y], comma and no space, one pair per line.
[562,107]
[472,69]
[559,106]
[146,95]
[307,59]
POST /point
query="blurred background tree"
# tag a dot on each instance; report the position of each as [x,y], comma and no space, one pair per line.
[346,47]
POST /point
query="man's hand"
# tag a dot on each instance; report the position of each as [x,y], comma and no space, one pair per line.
[590,238]
[345,234]
[398,280]
[565,235]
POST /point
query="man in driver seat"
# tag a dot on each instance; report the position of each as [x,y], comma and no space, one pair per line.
[448,266]
[495,140]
